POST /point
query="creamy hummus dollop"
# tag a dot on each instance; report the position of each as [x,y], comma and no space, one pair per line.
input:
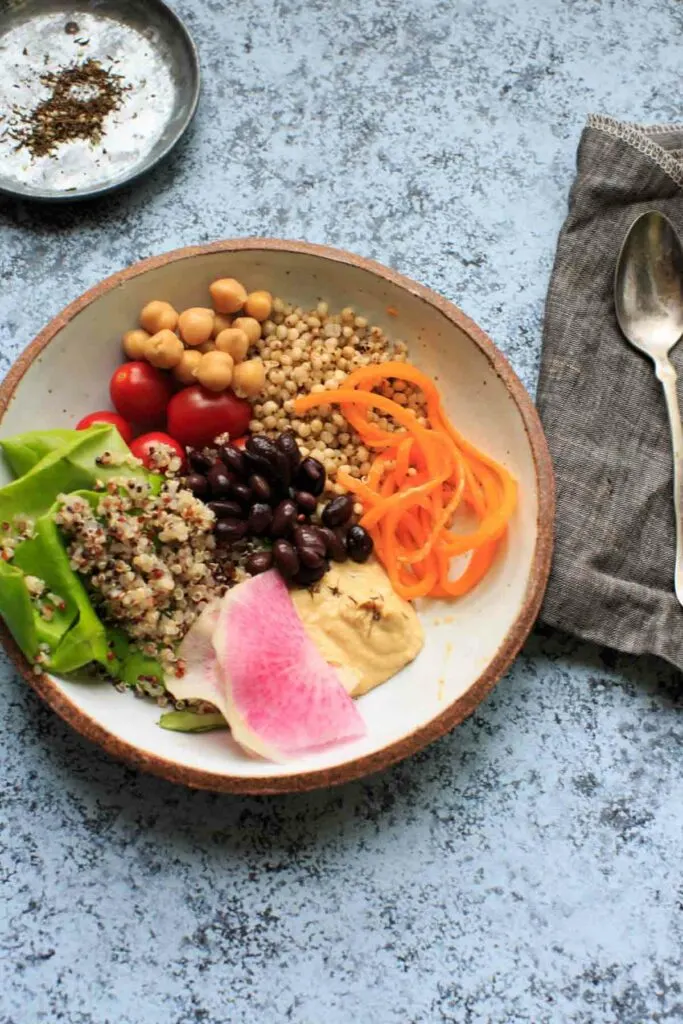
[360,625]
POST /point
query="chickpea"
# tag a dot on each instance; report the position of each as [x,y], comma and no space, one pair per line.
[221,322]
[259,305]
[249,378]
[134,343]
[196,325]
[214,371]
[227,294]
[164,349]
[233,341]
[250,326]
[208,346]
[158,316]
[184,371]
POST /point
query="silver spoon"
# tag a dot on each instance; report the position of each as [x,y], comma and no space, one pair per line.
[648,296]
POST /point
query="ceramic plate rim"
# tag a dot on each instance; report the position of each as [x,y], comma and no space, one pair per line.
[454,713]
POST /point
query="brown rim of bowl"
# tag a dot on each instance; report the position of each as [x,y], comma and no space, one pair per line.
[451,716]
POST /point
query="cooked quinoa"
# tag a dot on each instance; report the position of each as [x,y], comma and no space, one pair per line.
[150,560]
[315,351]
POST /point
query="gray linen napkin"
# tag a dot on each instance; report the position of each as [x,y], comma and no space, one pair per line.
[603,410]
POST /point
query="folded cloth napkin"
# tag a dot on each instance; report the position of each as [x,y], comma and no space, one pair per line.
[603,408]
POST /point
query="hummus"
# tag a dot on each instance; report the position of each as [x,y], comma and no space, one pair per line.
[360,625]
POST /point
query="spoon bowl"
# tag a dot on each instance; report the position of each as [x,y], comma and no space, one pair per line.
[648,285]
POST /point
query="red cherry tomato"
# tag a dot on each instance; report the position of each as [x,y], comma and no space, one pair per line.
[197,416]
[143,447]
[112,419]
[141,393]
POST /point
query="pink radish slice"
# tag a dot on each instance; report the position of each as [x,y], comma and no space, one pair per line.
[202,679]
[281,698]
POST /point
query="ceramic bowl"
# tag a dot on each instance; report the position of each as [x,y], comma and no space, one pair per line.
[64,374]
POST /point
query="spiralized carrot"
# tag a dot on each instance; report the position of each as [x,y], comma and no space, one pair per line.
[420,478]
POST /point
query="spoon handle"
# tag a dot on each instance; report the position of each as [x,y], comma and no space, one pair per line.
[667,375]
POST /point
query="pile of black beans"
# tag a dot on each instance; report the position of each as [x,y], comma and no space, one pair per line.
[267,491]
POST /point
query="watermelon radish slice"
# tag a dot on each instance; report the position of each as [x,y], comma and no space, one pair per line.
[202,680]
[280,696]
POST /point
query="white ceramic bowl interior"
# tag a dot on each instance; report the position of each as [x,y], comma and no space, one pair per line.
[70,378]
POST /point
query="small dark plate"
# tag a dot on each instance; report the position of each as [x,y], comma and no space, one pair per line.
[143,41]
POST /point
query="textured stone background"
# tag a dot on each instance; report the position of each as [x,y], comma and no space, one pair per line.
[527,867]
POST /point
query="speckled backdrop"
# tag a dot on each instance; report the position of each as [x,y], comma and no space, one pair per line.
[525,868]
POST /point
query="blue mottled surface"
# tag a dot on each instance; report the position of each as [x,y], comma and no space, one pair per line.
[525,868]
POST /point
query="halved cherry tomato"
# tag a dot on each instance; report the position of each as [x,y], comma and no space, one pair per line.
[143,447]
[197,416]
[141,393]
[113,419]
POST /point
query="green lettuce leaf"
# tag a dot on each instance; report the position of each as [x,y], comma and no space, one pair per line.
[70,467]
[56,462]
[119,647]
[17,610]
[190,721]
[75,636]
[23,451]
[137,664]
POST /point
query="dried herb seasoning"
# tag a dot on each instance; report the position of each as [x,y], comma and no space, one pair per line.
[82,96]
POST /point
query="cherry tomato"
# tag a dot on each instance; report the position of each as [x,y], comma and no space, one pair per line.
[141,393]
[112,419]
[197,416]
[143,447]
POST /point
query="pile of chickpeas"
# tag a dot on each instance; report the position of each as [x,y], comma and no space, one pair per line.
[206,346]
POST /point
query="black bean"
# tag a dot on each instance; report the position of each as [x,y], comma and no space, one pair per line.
[286,558]
[198,484]
[283,469]
[311,476]
[307,576]
[226,509]
[260,451]
[338,511]
[286,442]
[234,459]
[280,470]
[199,461]
[260,518]
[260,561]
[310,557]
[359,544]
[256,463]
[284,519]
[260,446]
[264,457]
[241,493]
[278,495]
[230,530]
[306,502]
[219,479]
[335,541]
[310,537]
[260,488]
